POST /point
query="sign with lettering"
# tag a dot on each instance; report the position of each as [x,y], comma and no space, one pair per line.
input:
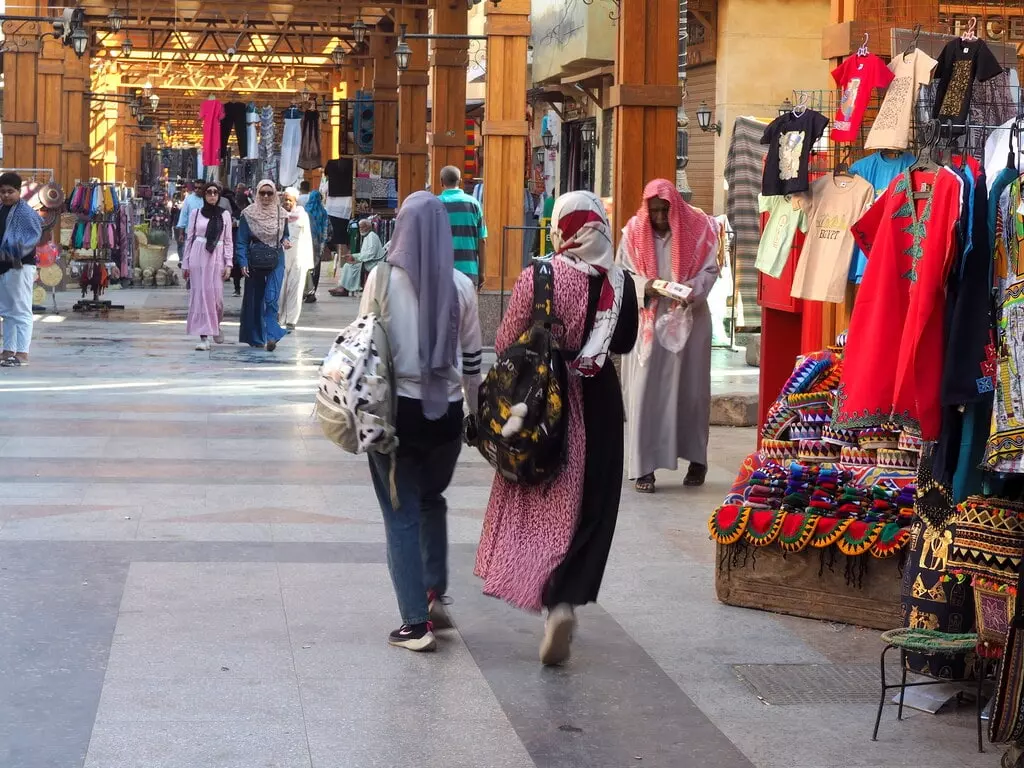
[573,110]
[1008,27]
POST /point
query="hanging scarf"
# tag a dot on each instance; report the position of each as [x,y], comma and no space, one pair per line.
[214,216]
[693,232]
[266,217]
[318,220]
[422,246]
[582,239]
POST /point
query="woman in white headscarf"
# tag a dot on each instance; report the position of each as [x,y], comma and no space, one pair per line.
[546,546]
[298,260]
[262,239]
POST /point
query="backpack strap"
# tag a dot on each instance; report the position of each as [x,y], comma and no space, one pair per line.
[544,293]
[380,287]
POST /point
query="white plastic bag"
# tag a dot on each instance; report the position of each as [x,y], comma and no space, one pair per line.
[673,328]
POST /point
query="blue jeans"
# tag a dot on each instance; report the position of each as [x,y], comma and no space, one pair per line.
[417,532]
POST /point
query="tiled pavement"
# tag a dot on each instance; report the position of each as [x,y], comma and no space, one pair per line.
[192,577]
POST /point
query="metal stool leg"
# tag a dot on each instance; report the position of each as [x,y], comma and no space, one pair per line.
[903,682]
[982,672]
[881,701]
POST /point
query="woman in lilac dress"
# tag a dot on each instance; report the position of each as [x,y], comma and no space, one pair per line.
[206,265]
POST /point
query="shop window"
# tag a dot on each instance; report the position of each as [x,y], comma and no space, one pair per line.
[578,156]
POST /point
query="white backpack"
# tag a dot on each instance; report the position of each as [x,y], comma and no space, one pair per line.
[356,399]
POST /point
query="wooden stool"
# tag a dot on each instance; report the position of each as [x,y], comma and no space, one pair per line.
[928,642]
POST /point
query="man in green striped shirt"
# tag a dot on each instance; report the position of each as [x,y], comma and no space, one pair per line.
[466,218]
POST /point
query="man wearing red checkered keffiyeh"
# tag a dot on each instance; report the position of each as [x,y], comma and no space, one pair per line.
[668,393]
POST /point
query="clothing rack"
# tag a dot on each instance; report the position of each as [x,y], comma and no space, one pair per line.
[92,261]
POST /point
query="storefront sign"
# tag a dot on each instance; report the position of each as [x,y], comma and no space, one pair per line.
[573,110]
[998,28]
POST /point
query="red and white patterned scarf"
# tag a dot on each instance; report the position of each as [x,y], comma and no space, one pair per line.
[692,233]
[582,238]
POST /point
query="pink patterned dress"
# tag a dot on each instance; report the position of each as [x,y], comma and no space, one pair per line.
[544,545]
[206,275]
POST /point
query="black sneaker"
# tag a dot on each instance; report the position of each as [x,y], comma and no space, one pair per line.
[415,637]
[439,616]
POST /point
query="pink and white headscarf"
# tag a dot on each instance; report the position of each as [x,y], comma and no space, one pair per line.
[582,238]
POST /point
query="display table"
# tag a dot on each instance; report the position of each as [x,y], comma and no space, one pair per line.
[796,584]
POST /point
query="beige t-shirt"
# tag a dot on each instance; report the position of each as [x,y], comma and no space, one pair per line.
[891,129]
[836,204]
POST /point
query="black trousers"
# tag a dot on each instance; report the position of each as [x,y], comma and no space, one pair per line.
[234,117]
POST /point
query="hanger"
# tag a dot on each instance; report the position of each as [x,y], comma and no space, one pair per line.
[1011,158]
[801,106]
[925,162]
[842,166]
[972,27]
[863,50]
[913,42]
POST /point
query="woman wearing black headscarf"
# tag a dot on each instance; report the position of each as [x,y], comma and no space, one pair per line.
[206,265]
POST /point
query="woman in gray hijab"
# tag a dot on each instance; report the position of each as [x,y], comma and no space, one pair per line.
[430,314]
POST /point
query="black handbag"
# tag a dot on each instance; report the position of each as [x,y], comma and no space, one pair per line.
[263,257]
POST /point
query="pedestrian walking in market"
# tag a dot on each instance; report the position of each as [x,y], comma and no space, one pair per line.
[546,546]
[298,260]
[262,239]
[206,264]
[429,311]
[20,231]
[667,377]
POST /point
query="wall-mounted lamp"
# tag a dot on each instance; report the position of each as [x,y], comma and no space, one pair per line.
[79,41]
[403,52]
[147,89]
[549,139]
[588,132]
[338,55]
[126,46]
[704,120]
[154,101]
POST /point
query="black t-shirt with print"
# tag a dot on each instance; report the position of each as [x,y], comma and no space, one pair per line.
[960,64]
[790,138]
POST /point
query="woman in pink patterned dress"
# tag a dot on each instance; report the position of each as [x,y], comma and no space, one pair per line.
[206,265]
[546,546]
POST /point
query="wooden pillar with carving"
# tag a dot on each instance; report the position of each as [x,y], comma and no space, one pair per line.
[385,91]
[412,109]
[505,130]
[646,96]
[448,62]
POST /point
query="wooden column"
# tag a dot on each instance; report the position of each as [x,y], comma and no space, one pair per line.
[76,148]
[412,110]
[385,93]
[646,97]
[448,62]
[21,59]
[505,130]
[45,119]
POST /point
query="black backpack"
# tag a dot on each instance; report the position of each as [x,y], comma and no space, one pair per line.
[522,420]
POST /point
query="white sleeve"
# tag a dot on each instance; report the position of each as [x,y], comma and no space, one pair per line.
[471,343]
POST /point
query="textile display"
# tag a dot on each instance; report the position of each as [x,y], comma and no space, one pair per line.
[785,216]
[267,136]
[291,139]
[961,63]
[790,139]
[309,151]
[252,120]
[211,113]
[362,123]
[879,171]
[743,172]
[834,204]
[857,76]
[234,120]
[891,127]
